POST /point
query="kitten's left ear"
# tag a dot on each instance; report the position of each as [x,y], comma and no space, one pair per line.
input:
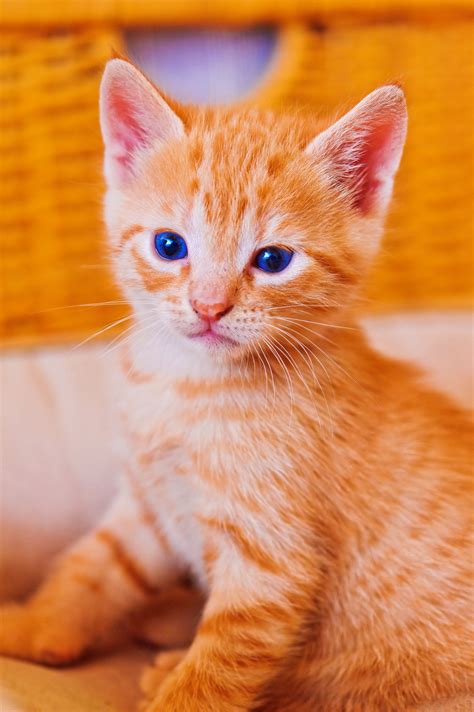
[361,152]
[133,116]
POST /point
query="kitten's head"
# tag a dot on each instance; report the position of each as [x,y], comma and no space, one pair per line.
[230,227]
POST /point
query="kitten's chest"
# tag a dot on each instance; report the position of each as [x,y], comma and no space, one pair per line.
[194,426]
[192,457]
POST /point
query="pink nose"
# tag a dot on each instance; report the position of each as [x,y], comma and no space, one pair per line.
[211,312]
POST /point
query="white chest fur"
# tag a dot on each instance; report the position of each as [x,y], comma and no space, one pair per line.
[192,454]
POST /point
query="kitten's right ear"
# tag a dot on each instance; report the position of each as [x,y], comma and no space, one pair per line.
[133,116]
[361,152]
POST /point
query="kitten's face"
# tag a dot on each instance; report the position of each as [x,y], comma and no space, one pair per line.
[219,233]
[230,228]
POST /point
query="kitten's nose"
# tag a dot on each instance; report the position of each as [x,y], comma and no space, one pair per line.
[211,311]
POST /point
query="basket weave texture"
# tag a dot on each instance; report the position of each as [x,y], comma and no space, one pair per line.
[52,243]
[129,13]
[427,255]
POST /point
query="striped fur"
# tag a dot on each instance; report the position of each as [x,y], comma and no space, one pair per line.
[316,493]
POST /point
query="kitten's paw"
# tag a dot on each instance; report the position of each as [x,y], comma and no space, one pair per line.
[154,675]
[30,634]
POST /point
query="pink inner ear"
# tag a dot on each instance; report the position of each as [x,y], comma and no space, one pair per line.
[126,133]
[361,151]
[367,160]
[133,116]
[377,163]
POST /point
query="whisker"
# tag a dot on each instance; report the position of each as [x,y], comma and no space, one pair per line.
[301,377]
[306,305]
[112,302]
[125,336]
[254,364]
[317,333]
[272,347]
[102,331]
[319,323]
[121,339]
[263,359]
[155,334]
[306,328]
[264,356]
[307,356]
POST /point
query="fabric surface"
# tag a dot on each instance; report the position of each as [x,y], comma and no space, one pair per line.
[108,684]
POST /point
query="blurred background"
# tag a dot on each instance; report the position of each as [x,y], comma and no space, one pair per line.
[60,450]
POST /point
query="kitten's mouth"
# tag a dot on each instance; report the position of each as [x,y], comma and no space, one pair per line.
[212,338]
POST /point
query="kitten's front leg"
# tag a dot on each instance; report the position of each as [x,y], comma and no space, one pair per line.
[249,627]
[110,572]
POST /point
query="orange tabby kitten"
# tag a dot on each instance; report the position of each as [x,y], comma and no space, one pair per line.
[315,491]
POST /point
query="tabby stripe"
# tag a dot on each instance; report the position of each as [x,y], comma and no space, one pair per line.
[250,549]
[153,280]
[335,269]
[127,234]
[210,556]
[196,389]
[242,657]
[130,371]
[148,517]
[259,616]
[125,562]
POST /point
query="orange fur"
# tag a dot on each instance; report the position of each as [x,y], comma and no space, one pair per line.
[316,491]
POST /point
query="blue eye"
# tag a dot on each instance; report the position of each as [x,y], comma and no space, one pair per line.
[273,259]
[170,245]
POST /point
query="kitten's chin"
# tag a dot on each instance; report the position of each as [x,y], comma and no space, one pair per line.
[215,346]
[212,340]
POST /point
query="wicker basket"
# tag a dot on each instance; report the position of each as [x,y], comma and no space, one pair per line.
[427,253]
[50,148]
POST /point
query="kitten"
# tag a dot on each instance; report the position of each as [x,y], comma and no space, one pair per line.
[314,490]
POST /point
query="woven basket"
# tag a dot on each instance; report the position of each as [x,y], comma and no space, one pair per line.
[50,148]
[52,246]
[426,259]
[138,13]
